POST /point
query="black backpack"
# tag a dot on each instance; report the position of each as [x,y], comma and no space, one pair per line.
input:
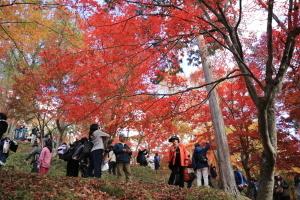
[88,145]
[77,152]
[68,155]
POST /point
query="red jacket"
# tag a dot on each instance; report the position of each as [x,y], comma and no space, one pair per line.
[184,159]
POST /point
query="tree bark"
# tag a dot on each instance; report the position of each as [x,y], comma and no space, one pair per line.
[266,125]
[61,130]
[226,175]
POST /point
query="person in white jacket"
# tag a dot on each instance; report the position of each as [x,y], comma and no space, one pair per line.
[96,155]
[111,161]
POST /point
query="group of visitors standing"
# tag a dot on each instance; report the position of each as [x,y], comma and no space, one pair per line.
[88,155]
[184,169]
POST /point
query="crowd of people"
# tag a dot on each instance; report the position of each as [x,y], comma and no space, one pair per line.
[89,155]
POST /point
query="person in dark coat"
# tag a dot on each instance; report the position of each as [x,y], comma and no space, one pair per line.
[3,124]
[141,157]
[281,189]
[123,156]
[200,164]
[240,179]
[73,164]
[156,161]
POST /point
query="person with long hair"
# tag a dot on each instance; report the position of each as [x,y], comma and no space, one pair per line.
[96,155]
[45,157]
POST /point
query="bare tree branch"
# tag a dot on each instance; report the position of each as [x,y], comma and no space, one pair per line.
[269,64]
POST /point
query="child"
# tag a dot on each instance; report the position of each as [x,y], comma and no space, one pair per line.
[45,158]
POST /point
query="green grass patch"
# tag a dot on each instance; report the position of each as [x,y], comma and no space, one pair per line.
[112,190]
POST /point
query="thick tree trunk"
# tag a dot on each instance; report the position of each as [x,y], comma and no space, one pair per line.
[226,175]
[266,125]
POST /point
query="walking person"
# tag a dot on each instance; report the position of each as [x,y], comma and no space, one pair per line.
[123,156]
[156,162]
[200,164]
[96,155]
[178,161]
[34,155]
[45,157]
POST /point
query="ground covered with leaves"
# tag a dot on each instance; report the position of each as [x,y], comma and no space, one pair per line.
[20,185]
[16,182]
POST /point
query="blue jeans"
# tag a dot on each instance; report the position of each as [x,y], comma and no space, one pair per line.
[94,169]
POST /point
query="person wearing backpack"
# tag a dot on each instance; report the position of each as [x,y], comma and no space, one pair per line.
[178,161]
[34,155]
[96,155]
[45,157]
[200,163]
[123,156]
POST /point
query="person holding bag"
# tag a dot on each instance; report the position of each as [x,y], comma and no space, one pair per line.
[178,161]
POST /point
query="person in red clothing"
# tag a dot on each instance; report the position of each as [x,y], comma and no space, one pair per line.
[178,161]
[45,157]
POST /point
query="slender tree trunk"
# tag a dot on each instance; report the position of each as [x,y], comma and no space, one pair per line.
[245,163]
[226,175]
[61,131]
[245,155]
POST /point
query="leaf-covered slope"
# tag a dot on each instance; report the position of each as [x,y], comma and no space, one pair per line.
[19,185]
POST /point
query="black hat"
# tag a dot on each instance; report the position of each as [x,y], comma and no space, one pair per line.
[174,137]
